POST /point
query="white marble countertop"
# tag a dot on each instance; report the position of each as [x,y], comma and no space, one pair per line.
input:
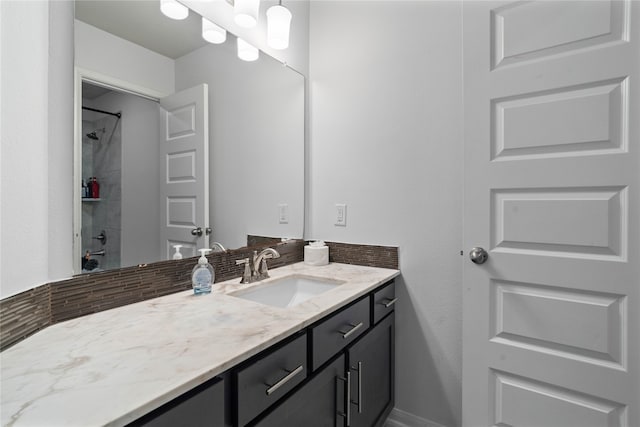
[111,367]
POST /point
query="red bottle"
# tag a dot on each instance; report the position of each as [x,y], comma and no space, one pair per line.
[95,188]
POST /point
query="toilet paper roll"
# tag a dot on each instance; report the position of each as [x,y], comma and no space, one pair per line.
[316,255]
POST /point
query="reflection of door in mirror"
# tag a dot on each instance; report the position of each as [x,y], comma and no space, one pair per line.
[184,171]
[126,155]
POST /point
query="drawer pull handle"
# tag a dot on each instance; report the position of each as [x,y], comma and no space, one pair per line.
[354,328]
[347,415]
[389,302]
[273,387]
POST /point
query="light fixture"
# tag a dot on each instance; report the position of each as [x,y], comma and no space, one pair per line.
[213,33]
[246,12]
[246,52]
[174,10]
[278,23]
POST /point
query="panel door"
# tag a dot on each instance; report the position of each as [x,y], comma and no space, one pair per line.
[318,403]
[184,166]
[552,181]
[371,361]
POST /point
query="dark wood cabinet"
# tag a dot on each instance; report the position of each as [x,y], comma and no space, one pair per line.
[371,363]
[265,380]
[366,367]
[319,403]
[338,330]
[338,372]
[205,405]
[383,302]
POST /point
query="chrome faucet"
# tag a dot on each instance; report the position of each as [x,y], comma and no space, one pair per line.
[260,262]
[217,247]
[256,268]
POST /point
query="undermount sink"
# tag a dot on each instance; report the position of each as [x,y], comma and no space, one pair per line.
[287,291]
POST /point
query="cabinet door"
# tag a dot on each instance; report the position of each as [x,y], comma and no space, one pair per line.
[371,362]
[319,403]
[203,406]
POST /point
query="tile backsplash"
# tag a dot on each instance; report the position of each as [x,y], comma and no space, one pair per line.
[26,313]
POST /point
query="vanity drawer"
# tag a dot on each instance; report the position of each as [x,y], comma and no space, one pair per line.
[267,379]
[337,331]
[383,301]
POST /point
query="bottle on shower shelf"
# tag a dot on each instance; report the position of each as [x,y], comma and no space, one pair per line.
[84,189]
[95,188]
[89,188]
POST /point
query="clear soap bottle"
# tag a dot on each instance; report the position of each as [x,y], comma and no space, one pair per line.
[202,275]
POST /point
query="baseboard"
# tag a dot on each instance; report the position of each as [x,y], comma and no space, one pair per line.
[400,418]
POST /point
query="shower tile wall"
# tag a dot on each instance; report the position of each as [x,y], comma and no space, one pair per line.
[87,171]
[103,159]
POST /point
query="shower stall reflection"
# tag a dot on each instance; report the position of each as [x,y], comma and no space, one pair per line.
[101,166]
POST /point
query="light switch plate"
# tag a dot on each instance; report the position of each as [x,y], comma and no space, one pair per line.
[283,213]
[341,214]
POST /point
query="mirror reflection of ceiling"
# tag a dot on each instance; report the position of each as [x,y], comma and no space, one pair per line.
[90,91]
[142,23]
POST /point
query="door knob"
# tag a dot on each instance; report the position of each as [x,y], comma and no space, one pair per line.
[478,255]
[196,231]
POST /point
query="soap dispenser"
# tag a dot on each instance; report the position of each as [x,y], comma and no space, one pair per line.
[177,254]
[202,275]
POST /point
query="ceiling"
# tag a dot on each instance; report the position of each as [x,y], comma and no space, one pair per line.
[90,91]
[141,22]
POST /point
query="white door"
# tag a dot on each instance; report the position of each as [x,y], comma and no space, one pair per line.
[551,322]
[184,166]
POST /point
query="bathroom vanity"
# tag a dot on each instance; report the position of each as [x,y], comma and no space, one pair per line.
[221,359]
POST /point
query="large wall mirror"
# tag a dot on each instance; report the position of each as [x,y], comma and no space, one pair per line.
[135,71]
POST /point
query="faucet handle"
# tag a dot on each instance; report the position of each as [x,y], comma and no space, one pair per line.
[263,273]
[246,277]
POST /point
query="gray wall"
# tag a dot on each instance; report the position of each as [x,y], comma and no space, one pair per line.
[140,133]
[256,134]
[120,60]
[386,139]
[60,141]
[36,93]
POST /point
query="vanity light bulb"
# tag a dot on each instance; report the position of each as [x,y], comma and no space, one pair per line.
[246,12]
[212,32]
[174,10]
[246,52]
[278,24]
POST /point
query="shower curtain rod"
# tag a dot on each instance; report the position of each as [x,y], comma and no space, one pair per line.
[118,115]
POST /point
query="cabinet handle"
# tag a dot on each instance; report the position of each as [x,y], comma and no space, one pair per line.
[389,302]
[273,387]
[347,415]
[359,403]
[354,328]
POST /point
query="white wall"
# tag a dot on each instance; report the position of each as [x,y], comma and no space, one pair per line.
[386,139]
[60,154]
[140,132]
[122,61]
[24,171]
[256,150]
